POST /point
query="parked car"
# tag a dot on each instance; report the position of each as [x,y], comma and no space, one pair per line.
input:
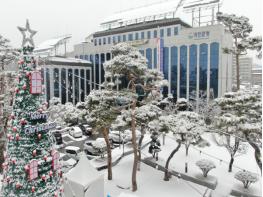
[75,132]
[67,162]
[86,129]
[117,137]
[58,137]
[73,152]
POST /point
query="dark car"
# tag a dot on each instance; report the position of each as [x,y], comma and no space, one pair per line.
[58,137]
[86,129]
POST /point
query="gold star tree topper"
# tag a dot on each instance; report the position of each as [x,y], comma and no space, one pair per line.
[28,34]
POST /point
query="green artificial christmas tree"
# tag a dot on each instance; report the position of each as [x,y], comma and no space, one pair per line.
[31,166]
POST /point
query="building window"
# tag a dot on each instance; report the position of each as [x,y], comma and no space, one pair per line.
[124,38]
[86,57]
[142,35]
[174,60]
[176,31]
[192,71]
[155,33]
[119,38]
[136,36]
[203,68]
[70,85]
[130,37]
[165,68]
[63,86]
[168,32]
[104,40]
[161,33]
[95,42]
[149,57]
[183,67]
[99,41]
[88,82]
[155,58]
[148,34]
[81,57]
[102,60]
[82,85]
[56,82]
[48,84]
[76,56]
[97,70]
[113,39]
[77,86]
[214,63]
[109,40]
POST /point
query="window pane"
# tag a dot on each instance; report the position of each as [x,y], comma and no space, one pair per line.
[149,57]
[214,62]
[149,34]
[168,31]
[192,71]
[174,59]
[183,64]
[203,68]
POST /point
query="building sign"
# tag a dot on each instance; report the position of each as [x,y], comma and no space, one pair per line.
[199,35]
[137,42]
[160,45]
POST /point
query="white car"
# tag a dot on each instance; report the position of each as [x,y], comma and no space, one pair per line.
[67,162]
[73,152]
[117,137]
[75,132]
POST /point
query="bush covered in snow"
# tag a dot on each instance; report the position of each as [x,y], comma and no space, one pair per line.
[246,178]
[205,165]
[100,145]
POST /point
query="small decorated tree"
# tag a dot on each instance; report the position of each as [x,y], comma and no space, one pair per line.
[246,177]
[205,165]
[31,166]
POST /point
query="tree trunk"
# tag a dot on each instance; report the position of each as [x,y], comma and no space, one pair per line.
[237,71]
[257,154]
[139,149]
[135,151]
[166,173]
[106,137]
[231,164]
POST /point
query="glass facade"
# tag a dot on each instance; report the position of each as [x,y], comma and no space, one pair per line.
[174,62]
[203,68]
[162,33]
[137,36]
[88,82]
[124,38]
[142,35]
[165,68]
[168,32]
[155,33]
[149,57]
[119,38]
[183,71]
[104,40]
[97,67]
[155,58]
[82,85]
[176,31]
[102,60]
[130,37]
[92,70]
[142,52]
[48,84]
[63,86]
[214,63]
[56,82]
[192,71]
[148,34]
[70,85]
[109,40]
[76,84]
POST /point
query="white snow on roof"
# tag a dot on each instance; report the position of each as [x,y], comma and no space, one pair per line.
[69,60]
[160,10]
[49,44]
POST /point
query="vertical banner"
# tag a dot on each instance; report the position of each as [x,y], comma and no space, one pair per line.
[160,45]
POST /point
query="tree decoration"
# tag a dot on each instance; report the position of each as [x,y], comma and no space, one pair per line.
[26,168]
[18,185]
[43,177]
[15,129]
[45,158]
[39,136]
[50,173]
[33,189]
[17,137]
[55,160]
[22,121]
[33,169]
[36,83]
[34,153]
[24,87]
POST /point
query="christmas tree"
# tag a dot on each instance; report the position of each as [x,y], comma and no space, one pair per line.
[31,166]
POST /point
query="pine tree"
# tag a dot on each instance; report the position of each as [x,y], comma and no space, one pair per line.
[31,166]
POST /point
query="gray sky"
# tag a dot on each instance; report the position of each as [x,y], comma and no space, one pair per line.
[53,18]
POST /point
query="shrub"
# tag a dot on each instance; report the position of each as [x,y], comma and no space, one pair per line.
[205,165]
[246,178]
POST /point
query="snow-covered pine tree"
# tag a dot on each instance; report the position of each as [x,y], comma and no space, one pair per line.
[31,166]
[240,28]
[144,83]
[187,128]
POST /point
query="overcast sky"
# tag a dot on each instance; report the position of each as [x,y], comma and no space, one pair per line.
[52,18]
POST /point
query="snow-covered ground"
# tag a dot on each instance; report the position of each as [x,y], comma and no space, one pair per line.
[150,180]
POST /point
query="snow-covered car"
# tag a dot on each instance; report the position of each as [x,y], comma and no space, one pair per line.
[117,137]
[73,152]
[86,129]
[127,134]
[58,137]
[67,162]
[96,148]
[75,132]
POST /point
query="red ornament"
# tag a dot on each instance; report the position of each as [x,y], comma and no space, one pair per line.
[17,90]
[9,137]
[17,137]
[33,189]
[13,161]
[40,110]
[43,177]
[50,173]
[8,179]
[45,158]
[39,136]
[34,153]
[21,62]
[24,87]
[4,165]
[26,168]
[22,121]
[55,194]
[15,129]
[18,185]
[60,174]
[28,74]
